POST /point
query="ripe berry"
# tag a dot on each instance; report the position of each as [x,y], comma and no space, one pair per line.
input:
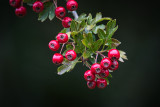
[104,73]
[57,58]
[54,45]
[72,5]
[113,54]
[15,3]
[71,55]
[96,68]
[21,11]
[60,12]
[105,63]
[114,65]
[89,76]
[66,22]
[38,6]
[62,37]
[101,83]
[91,84]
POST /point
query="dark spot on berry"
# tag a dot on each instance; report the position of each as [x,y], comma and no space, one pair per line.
[89,77]
[98,70]
[69,57]
[20,15]
[38,8]
[114,58]
[90,84]
[69,23]
[61,13]
[112,66]
[101,85]
[102,74]
[105,64]
[62,36]
[73,7]
[52,45]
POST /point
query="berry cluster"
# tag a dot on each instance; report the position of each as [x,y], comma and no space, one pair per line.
[98,72]
[62,38]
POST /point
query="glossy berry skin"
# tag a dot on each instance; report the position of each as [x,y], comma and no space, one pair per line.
[72,5]
[15,3]
[106,63]
[96,68]
[104,73]
[66,22]
[57,58]
[71,55]
[101,83]
[60,12]
[113,54]
[21,11]
[88,76]
[38,6]
[54,45]
[91,84]
[62,37]
[114,65]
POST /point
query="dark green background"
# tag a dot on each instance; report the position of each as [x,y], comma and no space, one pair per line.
[28,77]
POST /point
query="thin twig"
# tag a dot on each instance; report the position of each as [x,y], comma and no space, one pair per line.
[101,54]
[96,58]
[55,3]
[62,48]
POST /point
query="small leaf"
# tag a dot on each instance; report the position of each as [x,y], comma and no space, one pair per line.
[82,25]
[88,40]
[89,19]
[87,54]
[107,80]
[123,55]
[73,26]
[115,42]
[101,34]
[82,17]
[52,12]
[97,44]
[110,75]
[103,19]
[95,29]
[65,30]
[90,27]
[43,15]
[67,66]
[98,16]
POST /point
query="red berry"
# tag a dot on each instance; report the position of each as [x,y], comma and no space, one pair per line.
[54,45]
[15,3]
[71,55]
[105,63]
[91,84]
[96,68]
[38,6]
[72,5]
[104,73]
[62,37]
[57,58]
[21,11]
[60,12]
[113,54]
[114,65]
[101,83]
[88,76]
[66,22]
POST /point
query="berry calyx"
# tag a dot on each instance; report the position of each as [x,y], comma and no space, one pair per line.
[101,83]
[38,6]
[57,58]
[104,73]
[21,11]
[105,63]
[114,65]
[66,22]
[71,55]
[15,3]
[54,45]
[113,54]
[72,5]
[91,84]
[88,76]
[60,12]
[62,37]
[96,68]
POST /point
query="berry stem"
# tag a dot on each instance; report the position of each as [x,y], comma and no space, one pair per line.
[75,14]
[96,57]
[55,3]
[101,54]
[73,45]
[62,48]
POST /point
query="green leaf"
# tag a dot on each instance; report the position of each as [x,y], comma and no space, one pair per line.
[89,19]
[65,30]
[107,80]
[82,25]
[110,75]
[97,44]
[122,56]
[101,34]
[103,19]
[67,66]
[92,59]
[95,29]
[52,12]
[98,16]
[68,47]
[115,42]
[43,15]
[73,26]
[82,17]
[90,27]
[87,54]
[88,40]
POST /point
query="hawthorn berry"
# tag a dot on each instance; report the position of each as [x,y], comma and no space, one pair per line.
[101,83]
[62,37]
[57,58]
[91,84]
[60,12]
[66,22]
[71,55]
[21,11]
[96,68]
[105,63]
[104,73]
[113,54]
[38,6]
[114,65]
[72,5]
[88,76]
[15,3]
[54,45]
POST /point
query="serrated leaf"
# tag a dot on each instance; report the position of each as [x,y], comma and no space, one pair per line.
[90,27]
[89,19]
[73,26]
[95,29]
[88,40]
[123,55]
[67,66]
[82,25]
[87,54]
[101,34]
[98,16]
[65,30]
[52,12]
[97,44]
[82,17]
